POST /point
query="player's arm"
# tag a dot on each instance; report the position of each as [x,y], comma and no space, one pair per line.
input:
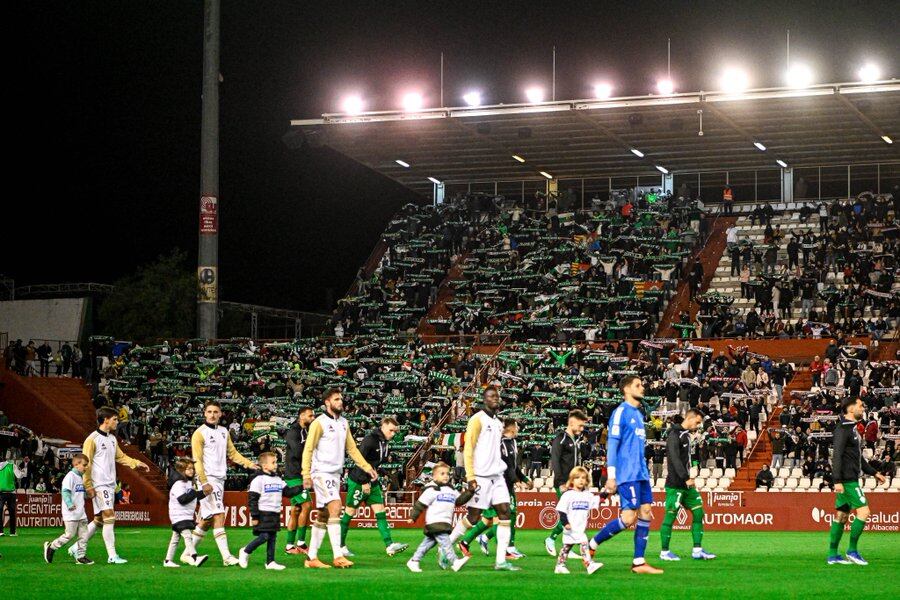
[612,451]
[473,430]
[253,496]
[292,443]
[236,457]
[562,508]
[189,494]
[67,498]
[556,456]
[312,440]
[673,454]
[369,449]
[357,457]
[197,455]
[422,504]
[89,449]
[840,444]
[291,491]
[132,463]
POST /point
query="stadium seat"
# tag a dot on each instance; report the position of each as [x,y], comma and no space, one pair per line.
[729,473]
[791,484]
[725,481]
[699,482]
[704,473]
[816,482]
[695,471]
[797,472]
[784,472]
[779,483]
[717,472]
[546,473]
[760,489]
[711,483]
[869,484]
[538,482]
[895,484]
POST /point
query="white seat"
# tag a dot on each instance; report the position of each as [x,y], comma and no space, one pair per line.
[699,482]
[712,482]
[869,484]
[895,484]
[791,483]
[538,482]
[717,472]
[760,489]
[725,482]
[784,472]
[779,482]
[816,482]
[546,490]
[695,471]
[729,473]
[546,473]
[797,472]
[704,472]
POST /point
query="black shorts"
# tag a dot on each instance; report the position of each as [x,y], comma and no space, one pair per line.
[182,525]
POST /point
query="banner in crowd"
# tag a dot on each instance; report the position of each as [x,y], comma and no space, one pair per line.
[725,511]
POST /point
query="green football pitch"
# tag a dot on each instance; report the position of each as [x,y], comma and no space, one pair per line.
[758,565]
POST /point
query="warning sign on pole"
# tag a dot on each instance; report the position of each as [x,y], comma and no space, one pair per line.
[209,214]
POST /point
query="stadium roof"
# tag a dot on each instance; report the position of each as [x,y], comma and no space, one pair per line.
[822,125]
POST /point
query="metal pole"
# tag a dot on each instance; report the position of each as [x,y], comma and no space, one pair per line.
[554,73]
[442,79]
[669,59]
[208,255]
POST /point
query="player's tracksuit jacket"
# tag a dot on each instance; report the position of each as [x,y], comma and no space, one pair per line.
[211,448]
[678,453]
[374,449]
[264,498]
[328,442]
[565,455]
[481,454]
[103,452]
[294,440]
[847,461]
[183,502]
[513,474]
[439,501]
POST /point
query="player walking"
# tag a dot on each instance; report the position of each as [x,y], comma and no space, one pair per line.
[103,452]
[626,462]
[846,463]
[298,522]
[327,445]
[361,489]
[565,455]
[484,473]
[211,448]
[680,489]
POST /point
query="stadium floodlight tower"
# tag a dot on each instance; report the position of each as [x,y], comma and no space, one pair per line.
[208,255]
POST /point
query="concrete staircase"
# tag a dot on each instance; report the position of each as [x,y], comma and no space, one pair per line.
[61,407]
[761,454]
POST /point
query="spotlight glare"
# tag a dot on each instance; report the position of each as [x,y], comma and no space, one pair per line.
[603,90]
[799,76]
[412,101]
[887,140]
[402,163]
[637,153]
[781,163]
[535,95]
[473,98]
[759,146]
[665,87]
[546,174]
[662,170]
[518,158]
[434,181]
[352,105]
[869,73]
[734,81]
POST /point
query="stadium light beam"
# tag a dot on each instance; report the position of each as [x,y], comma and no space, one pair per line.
[734,81]
[535,95]
[799,76]
[412,101]
[434,181]
[546,174]
[472,98]
[869,73]
[662,170]
[353,105]
[518,158]
[637,153]
[781,163]
[402,163]
[887,139]
[665,87]
[603,90]
[759,146]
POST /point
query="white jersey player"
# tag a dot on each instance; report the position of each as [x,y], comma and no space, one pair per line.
[328,442]
[211,447]
[103,452]
[484,473]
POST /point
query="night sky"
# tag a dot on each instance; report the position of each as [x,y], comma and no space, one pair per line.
[105,115]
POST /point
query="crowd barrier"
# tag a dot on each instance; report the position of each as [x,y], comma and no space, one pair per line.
[725,511]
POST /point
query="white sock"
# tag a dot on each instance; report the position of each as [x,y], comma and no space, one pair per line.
[315,539]
[459,530]
[188,538]
[503,534]
[222,542]
[334,534]
[92,529]
[173,546]
[109,537]
[197,536]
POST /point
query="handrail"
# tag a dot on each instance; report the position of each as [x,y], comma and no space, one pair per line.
[416,462]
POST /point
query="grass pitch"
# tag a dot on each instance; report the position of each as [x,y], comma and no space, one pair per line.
[758,565]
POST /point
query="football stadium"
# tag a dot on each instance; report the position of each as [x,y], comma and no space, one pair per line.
[476,302]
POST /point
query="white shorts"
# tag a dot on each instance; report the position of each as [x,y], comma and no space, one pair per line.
[104,498]
[491,492]
[214,503]
[327,487]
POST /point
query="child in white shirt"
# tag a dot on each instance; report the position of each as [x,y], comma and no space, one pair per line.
[183,497]
[73,514]
[574,508]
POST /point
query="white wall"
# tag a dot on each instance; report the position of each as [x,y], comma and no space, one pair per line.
[54,319]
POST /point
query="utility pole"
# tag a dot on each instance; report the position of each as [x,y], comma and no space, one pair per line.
[208,255]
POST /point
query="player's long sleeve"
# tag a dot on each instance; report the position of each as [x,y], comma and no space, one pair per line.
[840,436]
[67,498]
[235,456]
[612,451]
[197,455]
[124,459]
[253,501]
[473,430]
[189,496]
[354,453]
[556,457]
[312,440]
[88,449]
[676,462]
